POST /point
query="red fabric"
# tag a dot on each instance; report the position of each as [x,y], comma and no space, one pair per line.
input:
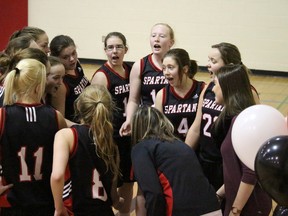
[14,16]
[167,190]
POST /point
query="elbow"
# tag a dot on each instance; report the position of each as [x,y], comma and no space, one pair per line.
[56,178]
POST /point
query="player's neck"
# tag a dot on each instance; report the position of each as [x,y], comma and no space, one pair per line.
[184,87]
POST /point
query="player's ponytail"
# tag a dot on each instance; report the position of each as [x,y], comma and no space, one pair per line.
[27,76]
[95,107]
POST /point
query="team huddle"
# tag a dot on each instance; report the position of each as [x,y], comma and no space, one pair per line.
[74,146]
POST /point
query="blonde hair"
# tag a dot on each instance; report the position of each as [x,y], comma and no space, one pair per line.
[171,31]
[22,81]
[94,107]
[149,122]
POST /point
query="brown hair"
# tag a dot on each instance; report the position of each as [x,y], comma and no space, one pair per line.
[149,122]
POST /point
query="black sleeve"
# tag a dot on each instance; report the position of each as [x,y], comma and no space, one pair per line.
[148,180]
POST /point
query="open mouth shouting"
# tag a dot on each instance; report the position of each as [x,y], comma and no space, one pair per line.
[157,47]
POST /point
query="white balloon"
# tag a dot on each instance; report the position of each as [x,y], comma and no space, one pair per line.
[252,127]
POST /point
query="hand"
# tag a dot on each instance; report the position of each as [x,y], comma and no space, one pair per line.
[125,129]
[233,214]
[3,188]
[61,212]
[118,205]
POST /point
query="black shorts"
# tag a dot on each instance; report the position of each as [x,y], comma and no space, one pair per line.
[214,172]
[124,147]
[28,211]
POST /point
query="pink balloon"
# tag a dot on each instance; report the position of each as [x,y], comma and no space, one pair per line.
[252,127]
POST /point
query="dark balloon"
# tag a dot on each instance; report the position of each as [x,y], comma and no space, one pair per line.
[280,211]
[271,167]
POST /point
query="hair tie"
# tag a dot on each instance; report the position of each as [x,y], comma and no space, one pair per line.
[98,103]
[17,70]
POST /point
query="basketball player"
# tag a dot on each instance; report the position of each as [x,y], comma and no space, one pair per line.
[146,77]
[114,75]
[199,134]
[179,99]
[89,151]
[63,47]
[27,133]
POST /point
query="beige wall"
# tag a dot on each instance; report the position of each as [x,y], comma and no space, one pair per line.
[258,27]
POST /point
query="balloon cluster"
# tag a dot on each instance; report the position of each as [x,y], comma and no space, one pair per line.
[260,140]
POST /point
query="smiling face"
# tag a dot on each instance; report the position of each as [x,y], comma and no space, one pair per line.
[215,62]
[160,39]
[54,78]
[68,57]
[115,51]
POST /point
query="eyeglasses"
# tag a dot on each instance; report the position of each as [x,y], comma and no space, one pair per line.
[112,47]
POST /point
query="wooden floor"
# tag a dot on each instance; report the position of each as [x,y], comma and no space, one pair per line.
[273,91]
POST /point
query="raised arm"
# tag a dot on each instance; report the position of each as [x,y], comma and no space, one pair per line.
[148,181]
[193,133]
[159,100]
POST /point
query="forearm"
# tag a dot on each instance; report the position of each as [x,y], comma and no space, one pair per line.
[192,138]
[131,109]
[244,192]
[221,191]
[116,199]
[57,185]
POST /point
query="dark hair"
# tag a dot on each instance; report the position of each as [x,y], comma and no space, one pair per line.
[31,53]
[115,34]
[4,62]
[28,30]
[236,90]
[229,53]
[149,122]
[182,59]
[17,44]
[59,43]
[54,61]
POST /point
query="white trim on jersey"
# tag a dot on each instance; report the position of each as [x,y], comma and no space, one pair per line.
[31,114]
[67,189]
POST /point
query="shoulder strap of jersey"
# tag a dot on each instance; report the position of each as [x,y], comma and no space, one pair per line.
[203,84]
